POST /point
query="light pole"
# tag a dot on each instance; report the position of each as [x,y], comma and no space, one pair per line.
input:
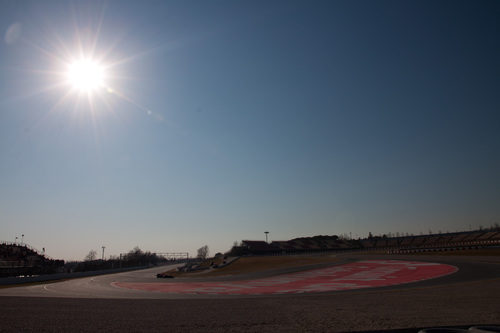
[22,239]
[266,232]
[16,240]
[103,252]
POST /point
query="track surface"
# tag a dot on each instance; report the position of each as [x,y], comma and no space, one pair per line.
[467,297]
[358,275]
[344,275]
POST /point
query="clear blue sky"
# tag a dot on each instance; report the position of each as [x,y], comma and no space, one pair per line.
[230,118]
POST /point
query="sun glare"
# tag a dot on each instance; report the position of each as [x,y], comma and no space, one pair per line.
[85,75]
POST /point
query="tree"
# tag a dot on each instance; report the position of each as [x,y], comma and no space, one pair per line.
[203,252]
[92,255]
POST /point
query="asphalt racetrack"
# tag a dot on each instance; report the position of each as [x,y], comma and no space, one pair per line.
[357,293]
[349,276]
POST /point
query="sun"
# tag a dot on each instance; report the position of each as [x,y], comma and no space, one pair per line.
[85,75]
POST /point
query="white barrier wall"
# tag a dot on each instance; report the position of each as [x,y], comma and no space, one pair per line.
[60,276]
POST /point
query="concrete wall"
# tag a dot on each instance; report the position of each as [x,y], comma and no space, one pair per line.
[60,276]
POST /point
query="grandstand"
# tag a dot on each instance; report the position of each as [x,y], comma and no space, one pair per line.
[23,260]
[403,244]
[259,247]
[297,245]
[437,242]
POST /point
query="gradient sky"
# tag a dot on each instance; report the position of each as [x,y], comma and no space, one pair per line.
[230,118]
